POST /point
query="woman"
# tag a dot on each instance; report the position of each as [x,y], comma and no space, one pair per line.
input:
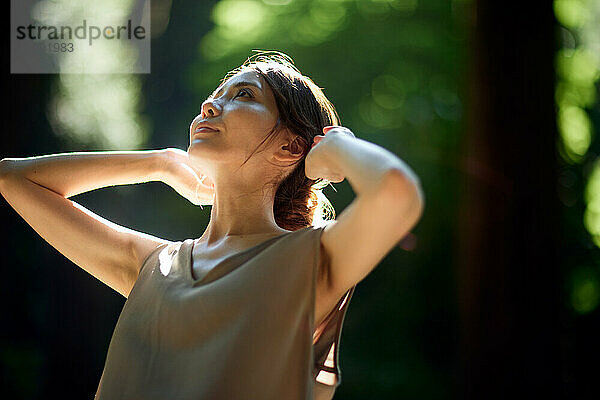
[254,307]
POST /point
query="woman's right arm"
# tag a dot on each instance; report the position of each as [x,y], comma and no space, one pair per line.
[38,189]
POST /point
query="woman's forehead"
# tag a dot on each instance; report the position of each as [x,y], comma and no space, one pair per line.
[249,76]
[246,74]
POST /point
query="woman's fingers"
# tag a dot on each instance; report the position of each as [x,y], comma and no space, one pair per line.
[316,140]
[343,128]
[329,127]
[207,182]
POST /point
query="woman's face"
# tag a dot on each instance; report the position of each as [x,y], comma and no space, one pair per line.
[243,110]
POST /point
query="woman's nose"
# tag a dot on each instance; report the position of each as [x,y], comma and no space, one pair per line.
[210,109]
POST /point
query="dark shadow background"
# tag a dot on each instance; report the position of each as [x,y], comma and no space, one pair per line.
[494,294]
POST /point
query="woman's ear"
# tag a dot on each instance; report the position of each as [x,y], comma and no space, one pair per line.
[295,145]
[291,148]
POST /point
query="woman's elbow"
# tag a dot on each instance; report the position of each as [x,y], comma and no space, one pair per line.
[4,168]
[398,186]
[8,169]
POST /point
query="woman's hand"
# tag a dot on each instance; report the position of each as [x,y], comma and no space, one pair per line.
[176,171]
[318,164]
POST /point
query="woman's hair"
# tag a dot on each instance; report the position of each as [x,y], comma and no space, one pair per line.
[304,111]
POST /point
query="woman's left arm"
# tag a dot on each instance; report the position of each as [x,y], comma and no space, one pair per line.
[389,202]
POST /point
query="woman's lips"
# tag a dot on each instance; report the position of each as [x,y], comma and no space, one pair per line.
[202,132]
[205,130]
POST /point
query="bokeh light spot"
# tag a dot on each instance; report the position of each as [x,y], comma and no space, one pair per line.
[570,13]
[591,216]
[585,290]
[388,91]
[575,130]
[239,18]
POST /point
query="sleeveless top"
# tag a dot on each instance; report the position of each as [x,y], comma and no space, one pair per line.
[243,330]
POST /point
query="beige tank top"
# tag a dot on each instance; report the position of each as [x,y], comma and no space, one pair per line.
[245,330]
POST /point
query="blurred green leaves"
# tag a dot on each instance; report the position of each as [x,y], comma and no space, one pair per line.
[88,108]
[571,13]
[585,290]
[575,128]
[99,110]
[591,216]
[578,71]
[242,23]
[389,66]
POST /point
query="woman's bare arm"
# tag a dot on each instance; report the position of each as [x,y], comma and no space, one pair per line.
[389,202]
[69,174]
[38,189]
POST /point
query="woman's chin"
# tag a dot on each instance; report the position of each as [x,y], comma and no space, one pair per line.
[203,158]
[198,149]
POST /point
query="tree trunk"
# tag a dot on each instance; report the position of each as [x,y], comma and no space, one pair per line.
[509,267]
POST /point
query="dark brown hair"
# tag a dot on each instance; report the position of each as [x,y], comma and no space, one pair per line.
[304,111]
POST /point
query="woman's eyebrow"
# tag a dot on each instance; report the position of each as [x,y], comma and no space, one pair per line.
[236,85]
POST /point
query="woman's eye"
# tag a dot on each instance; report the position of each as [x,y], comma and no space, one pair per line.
[246,91]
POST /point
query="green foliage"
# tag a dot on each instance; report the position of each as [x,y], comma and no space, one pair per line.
[389,66]
[578,72]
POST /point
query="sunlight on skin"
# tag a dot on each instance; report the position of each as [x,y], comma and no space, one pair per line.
[165,260]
